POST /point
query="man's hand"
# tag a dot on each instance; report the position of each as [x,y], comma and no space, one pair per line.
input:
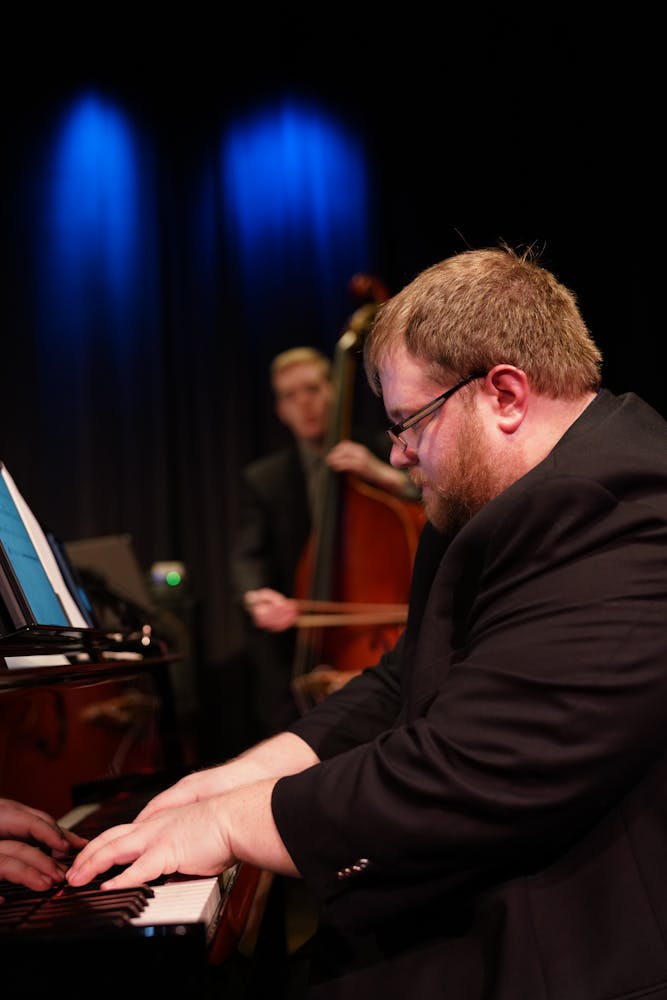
[202,838]
[31,844]
[270,610]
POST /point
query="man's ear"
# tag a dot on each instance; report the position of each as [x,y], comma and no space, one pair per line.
[510,392]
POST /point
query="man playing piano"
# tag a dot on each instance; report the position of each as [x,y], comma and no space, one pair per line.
[483,814]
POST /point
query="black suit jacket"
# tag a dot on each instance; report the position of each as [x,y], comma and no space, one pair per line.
[274,523]
[489,820]
[273,530]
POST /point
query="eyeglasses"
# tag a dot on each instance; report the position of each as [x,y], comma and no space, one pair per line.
[396,430]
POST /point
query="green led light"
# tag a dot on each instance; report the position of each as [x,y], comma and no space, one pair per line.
[173,578]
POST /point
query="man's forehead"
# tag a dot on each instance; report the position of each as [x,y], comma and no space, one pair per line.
[300,373]
[397,363]
[405,378]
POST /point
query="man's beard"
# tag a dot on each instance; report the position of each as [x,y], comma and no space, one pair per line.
[473,479]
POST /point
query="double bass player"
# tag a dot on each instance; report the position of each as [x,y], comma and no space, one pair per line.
[276,517]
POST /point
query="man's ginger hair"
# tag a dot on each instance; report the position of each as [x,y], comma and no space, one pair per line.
[481,308]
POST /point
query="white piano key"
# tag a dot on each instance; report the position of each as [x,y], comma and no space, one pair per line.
[188,902]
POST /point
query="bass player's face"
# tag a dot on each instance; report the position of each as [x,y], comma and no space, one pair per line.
[303,399]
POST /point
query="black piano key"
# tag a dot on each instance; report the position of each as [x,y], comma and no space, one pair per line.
[123,909]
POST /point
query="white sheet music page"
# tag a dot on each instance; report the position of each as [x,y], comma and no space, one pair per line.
[48,564]
[45,554]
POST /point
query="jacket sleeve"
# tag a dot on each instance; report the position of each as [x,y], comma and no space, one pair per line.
[539,697]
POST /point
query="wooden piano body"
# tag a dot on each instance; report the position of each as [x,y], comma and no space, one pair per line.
[90,741]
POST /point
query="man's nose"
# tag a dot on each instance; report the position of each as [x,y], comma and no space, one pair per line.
[402,458]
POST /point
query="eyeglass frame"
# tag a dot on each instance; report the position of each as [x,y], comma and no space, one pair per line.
[399,428]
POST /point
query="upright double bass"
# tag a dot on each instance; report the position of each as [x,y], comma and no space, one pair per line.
[354,577]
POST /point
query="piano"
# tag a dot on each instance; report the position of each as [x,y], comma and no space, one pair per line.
[91,740]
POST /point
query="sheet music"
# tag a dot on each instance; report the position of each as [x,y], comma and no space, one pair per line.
[46,558]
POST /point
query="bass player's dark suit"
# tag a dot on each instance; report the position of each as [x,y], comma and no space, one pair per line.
[273,530]
[272,533]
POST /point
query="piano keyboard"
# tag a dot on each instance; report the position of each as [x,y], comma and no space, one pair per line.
[176,902]
[172,904]
[176,933]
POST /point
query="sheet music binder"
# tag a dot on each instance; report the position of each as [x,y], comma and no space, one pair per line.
[36,605]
